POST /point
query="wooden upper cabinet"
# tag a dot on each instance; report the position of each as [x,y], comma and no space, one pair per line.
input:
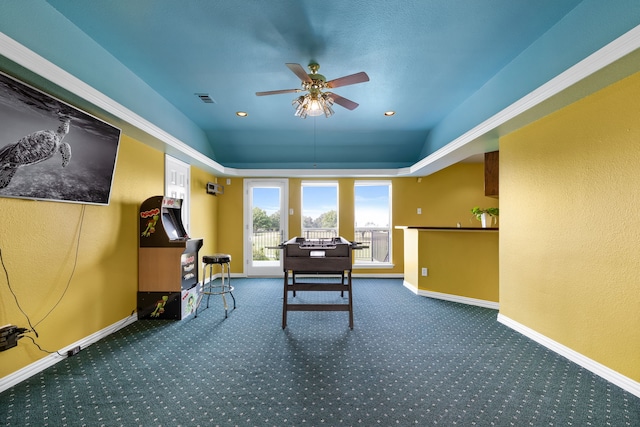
[491,173]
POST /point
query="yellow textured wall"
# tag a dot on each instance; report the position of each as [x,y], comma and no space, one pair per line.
[445,197]
[462,263]
[204,212]
[38,248]
[38,243]
[229,231]
[570,226]
[295,203]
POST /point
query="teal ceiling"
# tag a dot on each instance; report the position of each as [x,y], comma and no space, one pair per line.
[442,66]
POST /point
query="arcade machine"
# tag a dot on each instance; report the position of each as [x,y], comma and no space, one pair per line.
[168,262]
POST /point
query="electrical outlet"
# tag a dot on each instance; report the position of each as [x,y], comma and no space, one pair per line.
[419,211]
[75,350]
[425,271]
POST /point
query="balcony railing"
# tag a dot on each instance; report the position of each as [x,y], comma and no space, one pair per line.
[378,242]
[319,233]
[261,243]
[376,239]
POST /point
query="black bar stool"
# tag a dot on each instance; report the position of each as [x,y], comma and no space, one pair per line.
[211,288]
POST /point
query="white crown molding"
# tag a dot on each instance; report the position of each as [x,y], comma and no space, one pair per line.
[317,173]
[599,369]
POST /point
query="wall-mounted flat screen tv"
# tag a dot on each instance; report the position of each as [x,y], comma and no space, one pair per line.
[52,151]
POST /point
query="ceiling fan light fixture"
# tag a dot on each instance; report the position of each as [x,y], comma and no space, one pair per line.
[300,105]
[317,102]
[313,105]
[327,110]
[327,104]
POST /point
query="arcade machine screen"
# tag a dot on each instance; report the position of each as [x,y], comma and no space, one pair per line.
[172,226]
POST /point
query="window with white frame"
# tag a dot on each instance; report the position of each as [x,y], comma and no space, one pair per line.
[372,212]
[319,209]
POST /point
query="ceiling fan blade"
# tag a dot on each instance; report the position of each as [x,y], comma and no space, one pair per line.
[346,103]
[349,80]
[277,92]
[299,71]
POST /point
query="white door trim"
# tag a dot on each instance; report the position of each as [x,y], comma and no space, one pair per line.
[177,184]
[283,184]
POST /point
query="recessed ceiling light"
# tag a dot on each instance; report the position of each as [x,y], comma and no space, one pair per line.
[389,113]
[242,114]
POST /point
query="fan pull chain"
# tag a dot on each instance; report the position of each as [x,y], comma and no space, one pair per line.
[314,142]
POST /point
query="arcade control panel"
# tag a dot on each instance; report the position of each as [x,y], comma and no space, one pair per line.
[9,335]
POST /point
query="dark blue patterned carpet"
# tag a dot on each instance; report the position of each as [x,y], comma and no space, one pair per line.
[408,361]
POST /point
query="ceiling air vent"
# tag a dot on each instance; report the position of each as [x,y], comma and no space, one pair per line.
[205,98]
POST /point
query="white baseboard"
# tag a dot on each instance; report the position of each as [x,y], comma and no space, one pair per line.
[608,374]
[377,275]
[409,286]
[453,298]
[53,358]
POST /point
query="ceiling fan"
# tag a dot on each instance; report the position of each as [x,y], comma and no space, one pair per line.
[317,102]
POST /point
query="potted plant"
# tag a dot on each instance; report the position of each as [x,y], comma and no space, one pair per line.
[486,216]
